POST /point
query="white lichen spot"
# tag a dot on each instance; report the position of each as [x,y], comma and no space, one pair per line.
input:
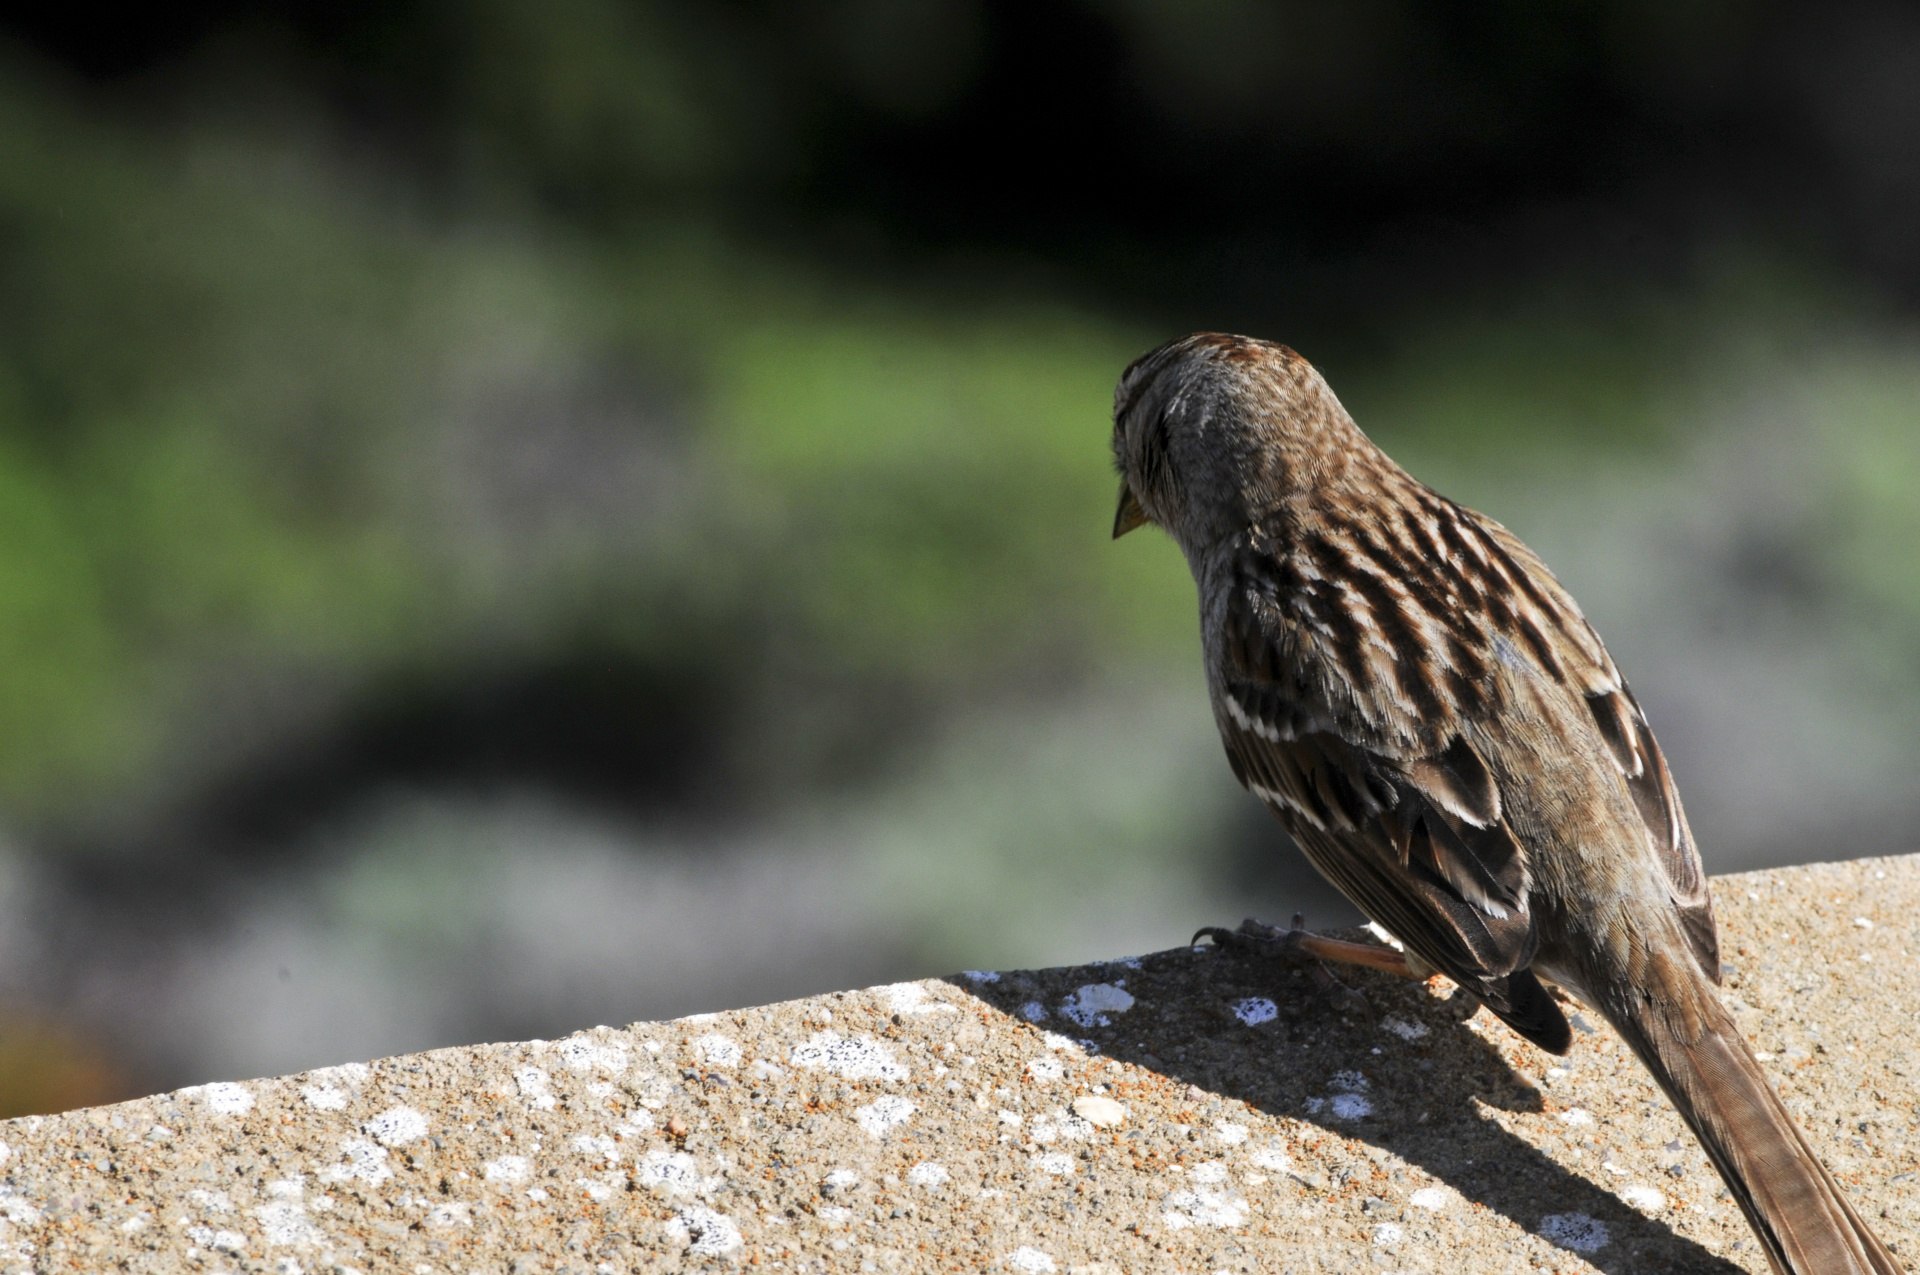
[602,1188]
[507,1169]
[1387,1235]
[1403,1029]
[598,1146]
[1348,1100]
[1863,922]
[223,1098]
[854,1058]
[324,1097]
[704,1232]
[1575,1231]
[1644,1198]
[1575,1116]
[1030,1261]
[669,1173]
[913,998]
[14,1209]
[1273,1157]
[839,1215]
[218,1241]
[1209,1172]
[536,1087]
[396,1126]
[1063,1044]
[1099,1111]
[1062,1124]
[444,1216]
[1350,1106]
[283,1220]
[211,1201]
[1229,1134]
[981,976]
[1431,1198]
[361,1160]
[1254,1010]
[1009,1118]
[1183,1209]
[928,1174]
[1055,1163]
[884,1113]
[1046,1068]
[1092,1005]
[716,1050]
[581,1052]
[839,1181]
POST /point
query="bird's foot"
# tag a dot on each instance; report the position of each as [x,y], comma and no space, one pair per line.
[1257,938]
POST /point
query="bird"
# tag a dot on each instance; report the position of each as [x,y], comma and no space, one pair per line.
[1430,715]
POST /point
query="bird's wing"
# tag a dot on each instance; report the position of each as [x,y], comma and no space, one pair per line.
[1410,827]
[1588,668]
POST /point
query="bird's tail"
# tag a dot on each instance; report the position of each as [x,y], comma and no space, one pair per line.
[1797,1210]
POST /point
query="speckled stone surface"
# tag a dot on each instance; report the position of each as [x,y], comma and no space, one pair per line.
[1187,1111]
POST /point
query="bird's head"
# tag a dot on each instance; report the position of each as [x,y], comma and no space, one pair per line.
[1212,432]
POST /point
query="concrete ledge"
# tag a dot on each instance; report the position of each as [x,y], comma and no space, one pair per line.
[1185,1111]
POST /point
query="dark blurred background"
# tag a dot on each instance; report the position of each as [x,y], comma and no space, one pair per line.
[515,517]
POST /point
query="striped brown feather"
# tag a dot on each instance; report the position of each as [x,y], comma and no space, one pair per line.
[1416,836]
[1629,740]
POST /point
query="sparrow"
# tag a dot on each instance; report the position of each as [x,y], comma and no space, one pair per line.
[1407,687]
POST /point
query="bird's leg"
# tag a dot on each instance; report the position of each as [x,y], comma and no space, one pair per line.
[1260,939]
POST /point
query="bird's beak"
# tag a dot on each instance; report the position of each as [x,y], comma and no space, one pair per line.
[1129,515]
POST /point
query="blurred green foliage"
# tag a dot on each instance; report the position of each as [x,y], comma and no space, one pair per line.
[220,425]
[229,364]
[931,490]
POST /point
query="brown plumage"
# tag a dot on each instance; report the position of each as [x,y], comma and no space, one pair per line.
[1427,711]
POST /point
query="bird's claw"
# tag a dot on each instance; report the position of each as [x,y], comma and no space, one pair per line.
[1256,938]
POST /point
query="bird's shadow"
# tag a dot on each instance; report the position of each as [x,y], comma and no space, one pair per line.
[1331,1056]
